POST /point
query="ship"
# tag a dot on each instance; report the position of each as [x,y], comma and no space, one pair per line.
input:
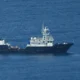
[46,45]
[37,45]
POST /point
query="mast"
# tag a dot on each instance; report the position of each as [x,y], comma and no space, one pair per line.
[42,28]
[45,30]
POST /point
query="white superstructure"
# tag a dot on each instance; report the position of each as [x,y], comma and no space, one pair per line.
[45,40]
[2,42]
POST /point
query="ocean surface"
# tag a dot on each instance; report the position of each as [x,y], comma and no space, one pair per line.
[21,19]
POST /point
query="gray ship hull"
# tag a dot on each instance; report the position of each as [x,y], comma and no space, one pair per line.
[56,49]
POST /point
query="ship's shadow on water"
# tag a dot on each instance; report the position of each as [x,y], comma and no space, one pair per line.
[37,54]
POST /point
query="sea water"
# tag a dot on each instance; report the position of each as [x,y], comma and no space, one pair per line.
[21,19]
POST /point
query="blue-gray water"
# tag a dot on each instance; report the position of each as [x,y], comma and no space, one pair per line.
[21,19]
